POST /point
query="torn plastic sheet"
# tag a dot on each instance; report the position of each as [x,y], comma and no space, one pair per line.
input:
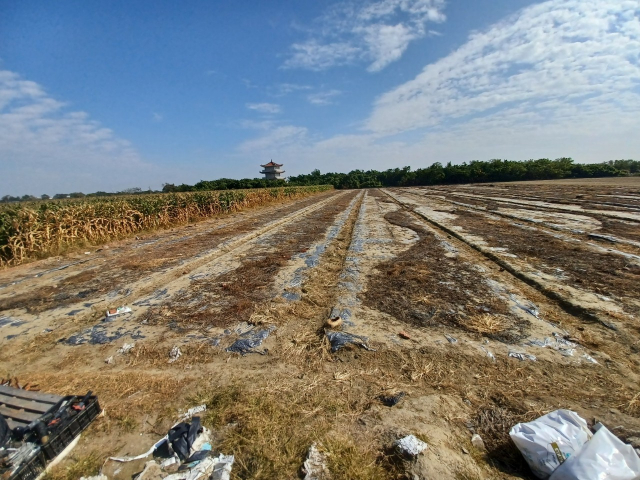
[489,354]
[99,335]
[410,445]
[211,468]
[342,339]
[315,466]
[193,410]
[523,356]
[527,306]
[249,341]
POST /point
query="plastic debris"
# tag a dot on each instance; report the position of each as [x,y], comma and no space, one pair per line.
[604,456]
[342,339]
[476,441]
[410,445]
[549,440]
[95,477]
[489,353]
[249,341]
[560,446]
[214,468]
[109,360]
[193,410]
[126,348]
[174,354]
[450,339]
[523,356]
[589,358]
[112,312]
[315,466]
[392,400]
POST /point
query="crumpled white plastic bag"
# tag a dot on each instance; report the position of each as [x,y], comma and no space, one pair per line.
[551,439]
[604,457]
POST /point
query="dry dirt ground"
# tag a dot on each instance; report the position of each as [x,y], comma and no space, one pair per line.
[485,305]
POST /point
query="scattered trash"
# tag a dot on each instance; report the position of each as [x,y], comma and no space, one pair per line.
[193,410]
[249,341]
[404,335]
[589,358]
[95,477]
[549,440]
[523,356]
[109,360]
[15,383]
[410,445]
[315,466]
[604,456]
[559,446]
[342,339]
[87,253]
[597,236]
[126,348]
[476,441]
[489,354]
[334,322]
[392,400]
[450,339]
[112,312]
[174,354]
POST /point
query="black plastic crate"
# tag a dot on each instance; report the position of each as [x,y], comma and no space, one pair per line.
[32,468]
[63,437]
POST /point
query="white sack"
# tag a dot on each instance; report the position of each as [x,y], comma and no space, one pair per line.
[604,457]
[549,440]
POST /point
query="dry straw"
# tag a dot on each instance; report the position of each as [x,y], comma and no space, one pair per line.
[37,229]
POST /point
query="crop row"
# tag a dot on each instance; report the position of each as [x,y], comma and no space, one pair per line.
[38,229]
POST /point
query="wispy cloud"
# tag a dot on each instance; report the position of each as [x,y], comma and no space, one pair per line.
[42,142]
[287,88]
[378,32]
[274,138]
[560,78]
[157,117]
[323,98]
[551,55]
[270,108]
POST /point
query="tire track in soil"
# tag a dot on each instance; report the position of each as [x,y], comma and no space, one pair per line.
[155,288]
[570,304]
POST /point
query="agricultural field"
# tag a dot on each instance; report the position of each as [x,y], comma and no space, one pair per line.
[477,306]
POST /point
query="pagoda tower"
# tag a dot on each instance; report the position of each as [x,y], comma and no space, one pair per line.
[272,170]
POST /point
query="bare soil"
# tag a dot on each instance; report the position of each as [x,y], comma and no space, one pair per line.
[407,286]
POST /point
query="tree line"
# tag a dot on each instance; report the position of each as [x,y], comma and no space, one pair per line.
[437,174]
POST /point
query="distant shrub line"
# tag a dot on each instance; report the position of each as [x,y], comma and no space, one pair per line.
[436,174]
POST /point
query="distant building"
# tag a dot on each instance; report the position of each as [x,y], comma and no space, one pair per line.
[272,170]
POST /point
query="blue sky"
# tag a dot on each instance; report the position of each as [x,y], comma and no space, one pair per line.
[112,95]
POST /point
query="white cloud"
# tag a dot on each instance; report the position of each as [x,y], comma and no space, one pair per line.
[283,89]
[553,53]
[157,117]
[560,78]
[323,98]
[378,32]
[276,137]
[270,108]
[45,147]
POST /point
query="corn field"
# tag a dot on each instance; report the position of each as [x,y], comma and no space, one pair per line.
[38,229]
